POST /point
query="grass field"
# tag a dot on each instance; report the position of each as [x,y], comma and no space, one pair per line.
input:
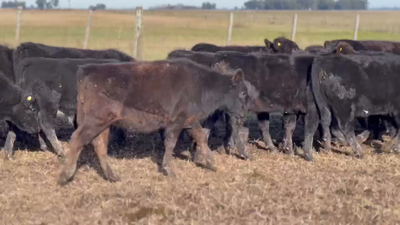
[167,30]
[269,189]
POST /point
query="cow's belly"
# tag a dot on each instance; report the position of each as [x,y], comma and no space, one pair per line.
[138,121]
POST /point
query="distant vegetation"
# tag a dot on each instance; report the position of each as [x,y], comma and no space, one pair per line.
[307,4]
[98,7]
[13,4]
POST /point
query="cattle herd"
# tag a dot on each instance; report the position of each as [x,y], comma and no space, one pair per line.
[331,86]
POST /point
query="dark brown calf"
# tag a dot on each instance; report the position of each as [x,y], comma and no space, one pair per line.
[147,96]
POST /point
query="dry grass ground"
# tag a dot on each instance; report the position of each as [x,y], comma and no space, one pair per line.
[269,189]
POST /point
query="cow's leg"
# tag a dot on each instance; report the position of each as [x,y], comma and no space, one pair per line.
[351,139]
[9,145]
[346,125]
[339,135]
[52,137]
[42,143]
[263,122]
[171,137]
[326,120]
[85,133]
[290,126]
[228,139]
[311,121]
[100,146]
[236,125]
[203,157]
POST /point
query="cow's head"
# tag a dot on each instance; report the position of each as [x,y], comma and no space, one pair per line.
[24,114]
[243,92]
[284,45]
[343,48]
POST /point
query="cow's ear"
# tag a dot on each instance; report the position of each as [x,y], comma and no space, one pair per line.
[268,43]
[238,77]
[326,43]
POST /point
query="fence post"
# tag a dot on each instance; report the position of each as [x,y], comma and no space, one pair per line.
[229,38]
[87,33]
[119,36]
[356,26]
[17,29]
[138,34]
[294,27]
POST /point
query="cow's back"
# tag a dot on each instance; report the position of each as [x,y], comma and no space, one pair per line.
[29,50]
[6,62]
[373,76]
[203,58]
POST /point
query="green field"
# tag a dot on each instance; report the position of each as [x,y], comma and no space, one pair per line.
[165,31]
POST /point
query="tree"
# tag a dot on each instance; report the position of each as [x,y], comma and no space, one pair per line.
[44,4]
[41,4]
[13,4]
[98,7]
[208,5]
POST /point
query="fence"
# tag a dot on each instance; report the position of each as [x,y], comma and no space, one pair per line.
[168,30]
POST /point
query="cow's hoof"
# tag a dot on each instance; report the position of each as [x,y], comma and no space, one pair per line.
[64,179]
[323,151]
[44,148]
[211,166]
[167,171]
[273,149]
[113,178]
[359,156]
[62,158]
[199,158]
[290,152]
[308,157]
[9,157]
[244,156]
[208,165]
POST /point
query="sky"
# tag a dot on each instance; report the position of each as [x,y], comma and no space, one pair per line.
[148,3]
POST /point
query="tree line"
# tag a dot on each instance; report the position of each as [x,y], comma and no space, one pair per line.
[306,4]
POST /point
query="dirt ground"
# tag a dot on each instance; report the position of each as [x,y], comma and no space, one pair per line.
[268,189]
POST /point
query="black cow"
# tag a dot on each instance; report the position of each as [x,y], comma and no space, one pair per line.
[204,47]
[18,106]
[32,50]
[203,58]
[29,50]
[57,78]
[348,86]
[281,87]
[279,45]
[367,45]
[147,96]
[314,48]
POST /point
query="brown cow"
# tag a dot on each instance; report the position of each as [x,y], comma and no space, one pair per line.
[148,96]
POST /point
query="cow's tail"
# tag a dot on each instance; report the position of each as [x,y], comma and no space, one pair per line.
[311,64]
[317,91]
[80,96]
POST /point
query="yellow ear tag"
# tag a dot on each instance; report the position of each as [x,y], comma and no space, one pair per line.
[279,44]
[29,98]
[340,49]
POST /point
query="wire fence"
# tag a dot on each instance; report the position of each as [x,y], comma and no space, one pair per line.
[158,32]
